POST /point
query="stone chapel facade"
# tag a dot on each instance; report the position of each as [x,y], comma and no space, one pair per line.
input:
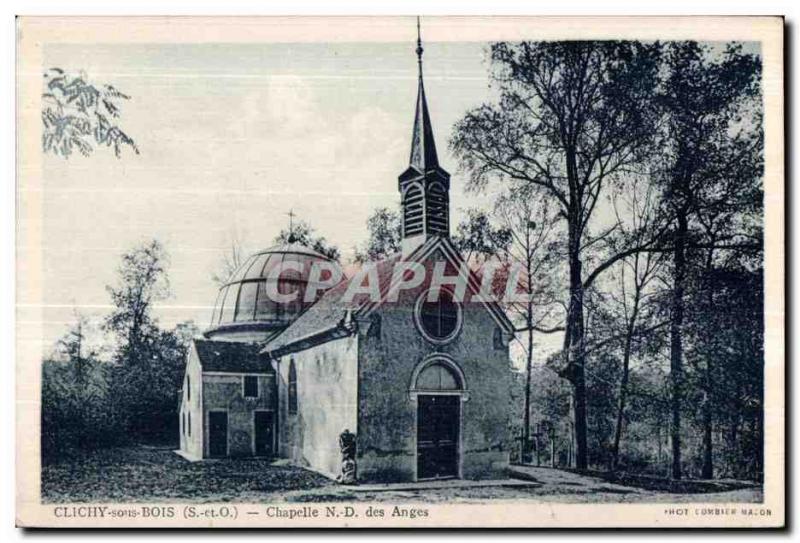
[423,385]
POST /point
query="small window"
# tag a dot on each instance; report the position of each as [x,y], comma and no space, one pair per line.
[188,389]
[292,389]
[499,344]
[189,421]
[250,386]
[183,423]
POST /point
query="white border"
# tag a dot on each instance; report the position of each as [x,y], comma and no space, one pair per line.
[243,7]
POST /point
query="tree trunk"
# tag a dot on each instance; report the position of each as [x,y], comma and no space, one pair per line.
[623,386]
[526,434]
[577,355]
[676,342]
[708,385]
[708,455]
[658,438]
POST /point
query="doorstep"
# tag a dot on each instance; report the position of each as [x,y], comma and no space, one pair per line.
[186,456]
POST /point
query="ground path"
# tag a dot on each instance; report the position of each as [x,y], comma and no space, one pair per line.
[147,474]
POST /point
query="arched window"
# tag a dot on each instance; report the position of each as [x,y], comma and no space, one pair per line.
[292,389]
[439,320]
[188,389]
[413,207]
[438,374]
[436,211]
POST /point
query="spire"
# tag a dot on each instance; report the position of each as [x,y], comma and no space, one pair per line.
[424,186]
[423,149]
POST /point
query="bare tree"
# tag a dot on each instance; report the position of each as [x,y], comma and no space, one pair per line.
[230,262]
[637,277]
[571,118]
[531,228]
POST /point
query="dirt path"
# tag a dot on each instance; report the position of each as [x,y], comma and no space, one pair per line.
[146,474]
[544,485]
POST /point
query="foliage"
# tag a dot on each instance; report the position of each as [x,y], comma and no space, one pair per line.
[77,115]
[478,239]
[303,233]
[571,118]
[88,402]
[384,228]
[710,169]
[74,396]
[727,330]
[142,282]
[650,155]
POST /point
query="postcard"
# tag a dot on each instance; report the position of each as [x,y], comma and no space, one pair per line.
[398,271]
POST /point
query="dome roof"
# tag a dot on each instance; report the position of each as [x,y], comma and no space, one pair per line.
[243,307]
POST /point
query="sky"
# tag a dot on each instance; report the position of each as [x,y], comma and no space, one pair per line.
[233,136]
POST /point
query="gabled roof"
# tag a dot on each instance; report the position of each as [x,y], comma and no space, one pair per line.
[331,310]
[231,357]
[445,245]
[332,315]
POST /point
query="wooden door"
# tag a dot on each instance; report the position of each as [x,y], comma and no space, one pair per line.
[218,433]
[438,421]
[264,433]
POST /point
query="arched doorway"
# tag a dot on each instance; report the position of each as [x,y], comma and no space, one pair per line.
[438,387]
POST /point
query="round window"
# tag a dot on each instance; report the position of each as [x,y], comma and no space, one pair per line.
[439,320]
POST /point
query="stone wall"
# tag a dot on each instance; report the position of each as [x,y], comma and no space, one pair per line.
[224,392]
[387,412]
[190,424]
[327,384]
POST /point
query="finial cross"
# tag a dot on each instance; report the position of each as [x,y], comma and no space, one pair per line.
[419,43]
[291,215]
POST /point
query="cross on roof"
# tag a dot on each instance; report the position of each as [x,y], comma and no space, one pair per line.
[291,215]
[423,149]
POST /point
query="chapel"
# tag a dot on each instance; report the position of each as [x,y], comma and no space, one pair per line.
[423,385]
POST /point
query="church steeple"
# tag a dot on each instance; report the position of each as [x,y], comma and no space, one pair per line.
[424,185]
[423,147]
